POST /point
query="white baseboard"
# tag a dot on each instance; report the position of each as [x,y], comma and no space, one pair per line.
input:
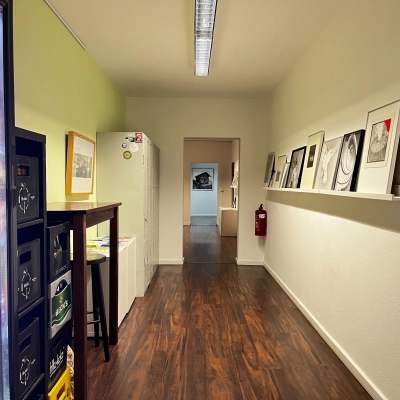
[171,262]
[369,386]
[249,262]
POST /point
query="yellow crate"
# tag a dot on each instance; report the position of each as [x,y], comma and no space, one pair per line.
[62,389]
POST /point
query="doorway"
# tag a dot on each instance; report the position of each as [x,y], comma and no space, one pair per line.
[210,214]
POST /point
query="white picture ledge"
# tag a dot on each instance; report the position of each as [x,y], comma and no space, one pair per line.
[371,196]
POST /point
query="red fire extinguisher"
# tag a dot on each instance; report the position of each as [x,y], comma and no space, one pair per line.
[261,221]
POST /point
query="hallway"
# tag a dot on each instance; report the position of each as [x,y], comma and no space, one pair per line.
[212,330]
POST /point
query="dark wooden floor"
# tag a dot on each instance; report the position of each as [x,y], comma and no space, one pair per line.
[203,244]
[212,330]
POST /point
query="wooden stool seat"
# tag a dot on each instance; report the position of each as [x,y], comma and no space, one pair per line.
[94,258]
[99,311]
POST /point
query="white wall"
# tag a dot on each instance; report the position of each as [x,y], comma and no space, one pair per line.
[203,203]
[339,258]
[167,122]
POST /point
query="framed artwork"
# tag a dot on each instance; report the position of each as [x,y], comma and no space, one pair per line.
[280,165]
[80,165]
[285,175]
[296,168]
[349,161]
[328,163]
[380,150]
[235,180]
[203,178]
[314,144]
[269,169]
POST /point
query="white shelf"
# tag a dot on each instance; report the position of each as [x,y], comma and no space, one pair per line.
[371,196]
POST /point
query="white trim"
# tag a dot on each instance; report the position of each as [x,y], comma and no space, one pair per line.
[369,386]
[48,2]
[171,262]
[249,262]
[203,215]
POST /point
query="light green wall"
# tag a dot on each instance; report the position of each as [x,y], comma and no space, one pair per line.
[59,87]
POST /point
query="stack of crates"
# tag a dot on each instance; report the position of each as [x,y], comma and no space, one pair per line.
[60,308]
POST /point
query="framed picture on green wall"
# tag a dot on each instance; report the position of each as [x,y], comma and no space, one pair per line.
[80,165]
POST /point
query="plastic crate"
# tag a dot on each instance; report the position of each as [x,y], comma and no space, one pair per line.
[62,389]
[58,355]
[27,188]
[28,273]
[28,354]
[60,303]
[58,253]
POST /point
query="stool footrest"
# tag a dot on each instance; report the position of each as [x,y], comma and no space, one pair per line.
[97,321]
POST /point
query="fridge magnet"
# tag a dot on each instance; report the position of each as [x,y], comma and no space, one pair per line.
[130,137]
[138,137]
[124,145]
[328,164]
[127,155]
[279,171]
[80,165]
[380,150]
[133,147]
[296,168]
[203,178]
[349,161]
[314,144]
[269,169]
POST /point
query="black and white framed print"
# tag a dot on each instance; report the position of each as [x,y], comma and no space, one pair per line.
[328,162]
[314,144]
[349,161]
[269,169]
[203,178]
[296,168]
[280,165]
[285,175]
[380,150]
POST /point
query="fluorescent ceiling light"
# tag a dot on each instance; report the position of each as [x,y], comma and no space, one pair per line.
[203,31]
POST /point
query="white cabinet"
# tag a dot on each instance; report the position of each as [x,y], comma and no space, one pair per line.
[126,283]
[227,221]
[128,172]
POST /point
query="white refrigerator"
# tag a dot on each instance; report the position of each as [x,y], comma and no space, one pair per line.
[128,172]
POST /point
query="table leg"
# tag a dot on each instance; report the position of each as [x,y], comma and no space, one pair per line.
[79,305]
[113,288]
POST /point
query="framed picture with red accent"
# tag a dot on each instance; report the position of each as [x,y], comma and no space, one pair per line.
[380,149]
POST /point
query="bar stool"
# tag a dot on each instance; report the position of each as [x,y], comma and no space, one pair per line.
[99,311]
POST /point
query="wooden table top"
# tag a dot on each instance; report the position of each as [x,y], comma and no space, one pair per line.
[80,207]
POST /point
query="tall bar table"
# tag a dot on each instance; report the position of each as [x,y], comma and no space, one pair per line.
[82,216]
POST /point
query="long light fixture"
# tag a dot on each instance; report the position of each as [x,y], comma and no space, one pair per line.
[203,35]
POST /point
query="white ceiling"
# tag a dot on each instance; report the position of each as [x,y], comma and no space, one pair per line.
[146,46]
